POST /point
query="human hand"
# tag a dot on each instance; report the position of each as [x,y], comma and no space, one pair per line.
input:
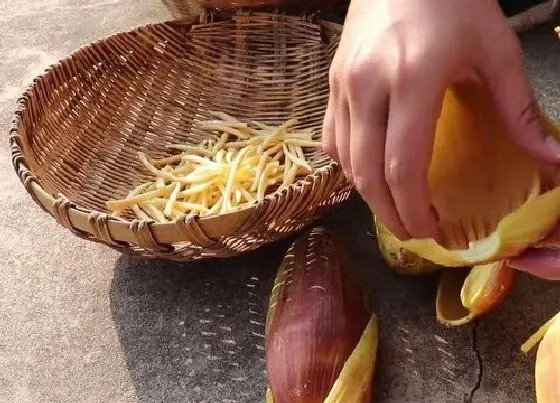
[394,62]
[541,262]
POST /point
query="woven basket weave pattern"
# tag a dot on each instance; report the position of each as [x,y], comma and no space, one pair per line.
[189,8]
[80,125]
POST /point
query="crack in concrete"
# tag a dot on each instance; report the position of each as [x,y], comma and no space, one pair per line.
[469,398]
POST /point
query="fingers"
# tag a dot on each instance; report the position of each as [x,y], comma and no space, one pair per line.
[387,154]
[539,262]
[329,133]
[516,102]
[554,237]
[408,149]
[552,171]
[342,127]
[511,88]
[368,114]
[336,126]
[543,262]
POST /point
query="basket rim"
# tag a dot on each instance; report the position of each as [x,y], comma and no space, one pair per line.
[118,230]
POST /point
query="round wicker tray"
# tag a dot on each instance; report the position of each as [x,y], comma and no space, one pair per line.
[79,126]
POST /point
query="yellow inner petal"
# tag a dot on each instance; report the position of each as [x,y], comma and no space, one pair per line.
[485,188]
[478,173]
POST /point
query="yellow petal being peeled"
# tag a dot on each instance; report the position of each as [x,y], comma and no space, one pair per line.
[398,258]
[465,294]
[352,385]
[488,192]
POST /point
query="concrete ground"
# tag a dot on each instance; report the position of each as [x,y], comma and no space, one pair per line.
[81,323]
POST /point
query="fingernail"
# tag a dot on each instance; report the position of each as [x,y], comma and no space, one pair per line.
[553,145]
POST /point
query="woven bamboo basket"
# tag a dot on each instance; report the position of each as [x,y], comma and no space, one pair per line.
[79,126]
[187,8]
[539,13]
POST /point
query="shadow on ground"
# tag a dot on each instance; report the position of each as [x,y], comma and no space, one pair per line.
[508,373]
[194,331]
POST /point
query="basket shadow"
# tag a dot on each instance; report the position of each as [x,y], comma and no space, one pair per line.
[195,331]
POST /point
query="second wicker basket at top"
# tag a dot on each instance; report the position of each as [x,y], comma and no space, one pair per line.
[187,8]
[80,125]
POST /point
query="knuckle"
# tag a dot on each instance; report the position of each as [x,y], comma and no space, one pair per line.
[407,65]
[409,71]
[398,173]
[357,73]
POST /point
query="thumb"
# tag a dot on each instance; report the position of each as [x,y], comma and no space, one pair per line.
[539,262]
[516,102]
[543,261]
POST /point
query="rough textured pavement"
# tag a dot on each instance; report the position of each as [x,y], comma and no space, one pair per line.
[81,323]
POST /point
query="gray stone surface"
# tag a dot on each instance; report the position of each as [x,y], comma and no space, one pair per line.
[81,323]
